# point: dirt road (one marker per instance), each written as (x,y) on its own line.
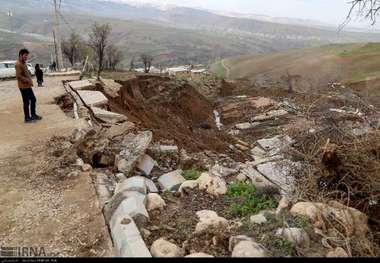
(60,216)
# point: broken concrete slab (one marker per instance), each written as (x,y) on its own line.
(152,188)
(93,98)
(280,174)
(111,88)
(136,183)
(108,116)
(146,164)
(171,181)
(270,115)
(127,239)
(119,129)
(135,147)
(133,206)
(275,144)
(168,148)
(81,84)
(104,193)
(246,125)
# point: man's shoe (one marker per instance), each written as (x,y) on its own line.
(36,118)
(29,120)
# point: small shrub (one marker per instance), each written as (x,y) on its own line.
(286,246)
(192,174)
(248,202)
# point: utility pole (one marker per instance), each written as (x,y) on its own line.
(57,37)
(10,15)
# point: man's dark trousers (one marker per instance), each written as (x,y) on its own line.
(29,100)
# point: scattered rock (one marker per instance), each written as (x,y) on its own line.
(248,249)
(199,255)
(241,177)
(282,205)
(120,177)
(79,162)
(191,184)
(136,183)
(258,219)
(154,201)
(119,129)
(222,171)
(214,185)
(171,181)
(337,253)
(209,220)
(164,249)
(234,240)
(297,236)
(168,149)
(270,115)
(86,167)
(73,174)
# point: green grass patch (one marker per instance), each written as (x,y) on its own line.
(247,201)
(219,70)
(286,247)
(192,174)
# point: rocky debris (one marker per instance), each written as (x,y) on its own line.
(209,220)
(111,88)
(258,219)
(164,249)
(213,185)
(248,249)
(199,255)
(234,240)
(222,171)
(134,147)
(86,167)
(102,186)
(133,206)
(337,253)
(119,129)
(93,98)
(81,84)
(154,202)
(171,181)
(258,153)
(108,116)
(282,205)
(246,126)
(168,148)
(355,222)
(152,188)
(297,236)
(270,115)
(188,185)
(73,174)
(276,144)
(280,175)
(146,164)
(120,177)
(218,123)
(127,239)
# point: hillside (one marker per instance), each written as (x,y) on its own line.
(175,35)
(347,63)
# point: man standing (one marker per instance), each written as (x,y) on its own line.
(25,84)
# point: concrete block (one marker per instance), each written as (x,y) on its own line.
(146,164)
(171,181)
(93,98)
(136,183)
(81,84)
(127,238)
(108,116)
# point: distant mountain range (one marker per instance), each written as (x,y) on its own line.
(176,34)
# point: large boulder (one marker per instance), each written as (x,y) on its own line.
(188,185)
(164,249)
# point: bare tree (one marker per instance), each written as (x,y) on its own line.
(132,65)
(98,42)
(71,48)
(147,61)
(114,56)
(369,9)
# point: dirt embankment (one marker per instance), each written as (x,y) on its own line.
(173,110)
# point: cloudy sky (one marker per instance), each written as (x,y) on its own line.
(328,11)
